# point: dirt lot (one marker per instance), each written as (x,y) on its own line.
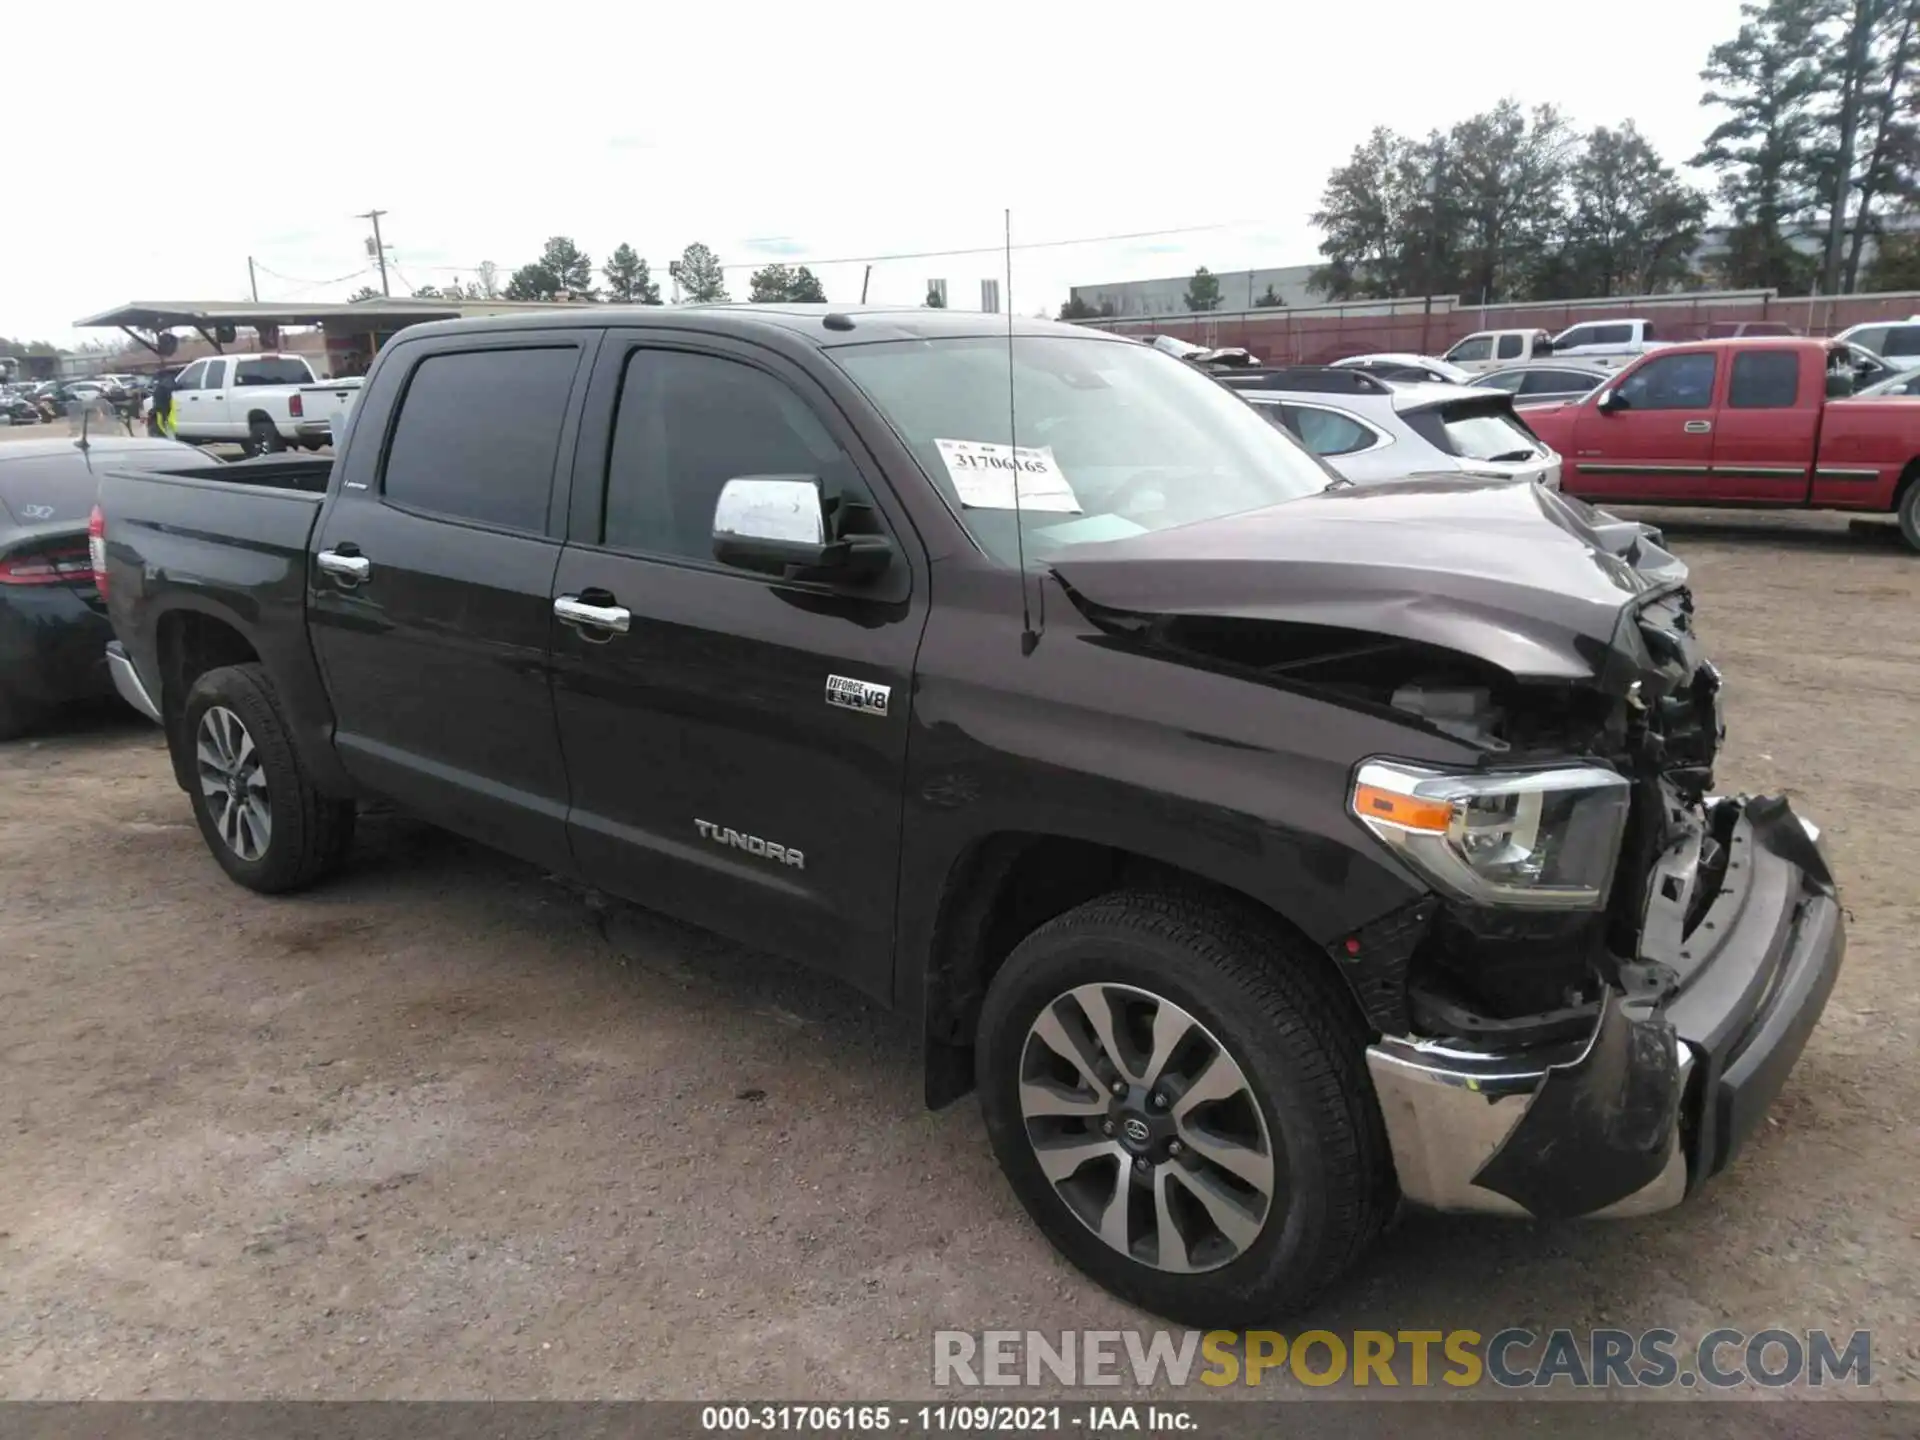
(449,1128)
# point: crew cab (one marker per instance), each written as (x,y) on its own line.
(1267,850)
(255,401)
(1751,422)
(1486,350)
(1607,343)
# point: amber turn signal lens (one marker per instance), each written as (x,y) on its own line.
(1411,812)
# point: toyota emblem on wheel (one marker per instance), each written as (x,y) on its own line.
(1137,1131)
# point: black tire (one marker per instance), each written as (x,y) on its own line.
(1909,514)
(263,438)
(310,833)
(1294,1033)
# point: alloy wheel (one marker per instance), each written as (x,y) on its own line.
(1147,1128)
(234,783)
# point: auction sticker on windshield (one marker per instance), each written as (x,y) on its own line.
(985,474)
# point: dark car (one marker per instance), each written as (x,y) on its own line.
(1266,850)
(18,408)
(53,624)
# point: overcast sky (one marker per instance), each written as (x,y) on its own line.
(169,142)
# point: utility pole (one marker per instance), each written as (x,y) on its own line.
(378,247)
(252,283)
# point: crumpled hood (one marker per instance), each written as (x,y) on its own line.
(1532,582)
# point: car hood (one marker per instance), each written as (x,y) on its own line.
(1532,582)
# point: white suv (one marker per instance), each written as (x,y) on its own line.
(1373,433)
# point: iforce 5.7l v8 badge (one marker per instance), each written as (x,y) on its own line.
(849,694)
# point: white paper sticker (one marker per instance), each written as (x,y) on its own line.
(983,474)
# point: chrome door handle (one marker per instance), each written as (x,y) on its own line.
(344,567)
(1698,427)
(572,610)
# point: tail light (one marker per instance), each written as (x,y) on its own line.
(97,548)
(294,407)
(60,565)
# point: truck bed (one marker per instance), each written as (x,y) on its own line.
(275,472)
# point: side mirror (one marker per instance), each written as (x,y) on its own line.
(1611,401)
(781,525)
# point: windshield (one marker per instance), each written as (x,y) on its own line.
(1115,439)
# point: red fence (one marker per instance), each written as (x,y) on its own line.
(1323,333)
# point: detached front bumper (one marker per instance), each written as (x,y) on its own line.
(1681,1064)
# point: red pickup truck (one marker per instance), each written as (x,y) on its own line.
(1755,422)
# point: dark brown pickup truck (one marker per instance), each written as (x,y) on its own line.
(1267,850)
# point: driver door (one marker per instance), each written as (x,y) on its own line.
(720,768)
(1658,443)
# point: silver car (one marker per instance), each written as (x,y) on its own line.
(1373,433)
(1539,382)
(1907,382)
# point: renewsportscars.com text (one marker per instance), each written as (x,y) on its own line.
(1512,1358)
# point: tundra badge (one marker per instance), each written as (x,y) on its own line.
(752,844)
(859,695)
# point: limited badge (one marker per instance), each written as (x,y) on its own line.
(859,695)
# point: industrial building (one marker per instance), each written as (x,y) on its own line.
(1239,290)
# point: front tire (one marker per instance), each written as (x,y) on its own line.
(260,816)
(1179,1096)
(1909,514)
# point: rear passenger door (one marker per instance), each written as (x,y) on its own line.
(1767,425)
(715,775)
(430,593)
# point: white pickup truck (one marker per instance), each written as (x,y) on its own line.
(1606,343)
(264,403)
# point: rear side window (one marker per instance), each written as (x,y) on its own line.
(271,370)
(1327,432)
(1511,381)
(1483,431)
(1903,340)
(1474,347)
(1671,382)
(1510,347)
(1612,335)
(1874,339)
(477,435)
(1764,380)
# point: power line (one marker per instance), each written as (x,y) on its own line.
(942,254)
(296,280)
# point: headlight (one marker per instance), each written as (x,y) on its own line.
(1544,839)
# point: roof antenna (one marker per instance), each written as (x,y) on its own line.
(1029,637)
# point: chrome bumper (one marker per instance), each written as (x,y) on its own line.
(126,680)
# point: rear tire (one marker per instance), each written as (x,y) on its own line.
(1909,514)
(263,439)
(1306,1162)
(263,820)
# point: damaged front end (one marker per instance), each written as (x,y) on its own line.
(1606,1062)
(1613,970)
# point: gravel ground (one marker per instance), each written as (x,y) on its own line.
(448,1128)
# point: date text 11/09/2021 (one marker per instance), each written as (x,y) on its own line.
(958,1417)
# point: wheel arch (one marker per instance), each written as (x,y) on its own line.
(1007,884)
(188,642)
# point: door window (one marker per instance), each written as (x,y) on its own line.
(216,375)
(1328,432)
(1474,347)
(1511,381)
(1764,380)
(1555,382)
(689,423)
(1612,335)
(1671,382)
(1510,347)
(190,377)
(477,435)
(1902,340)
(1579,335)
